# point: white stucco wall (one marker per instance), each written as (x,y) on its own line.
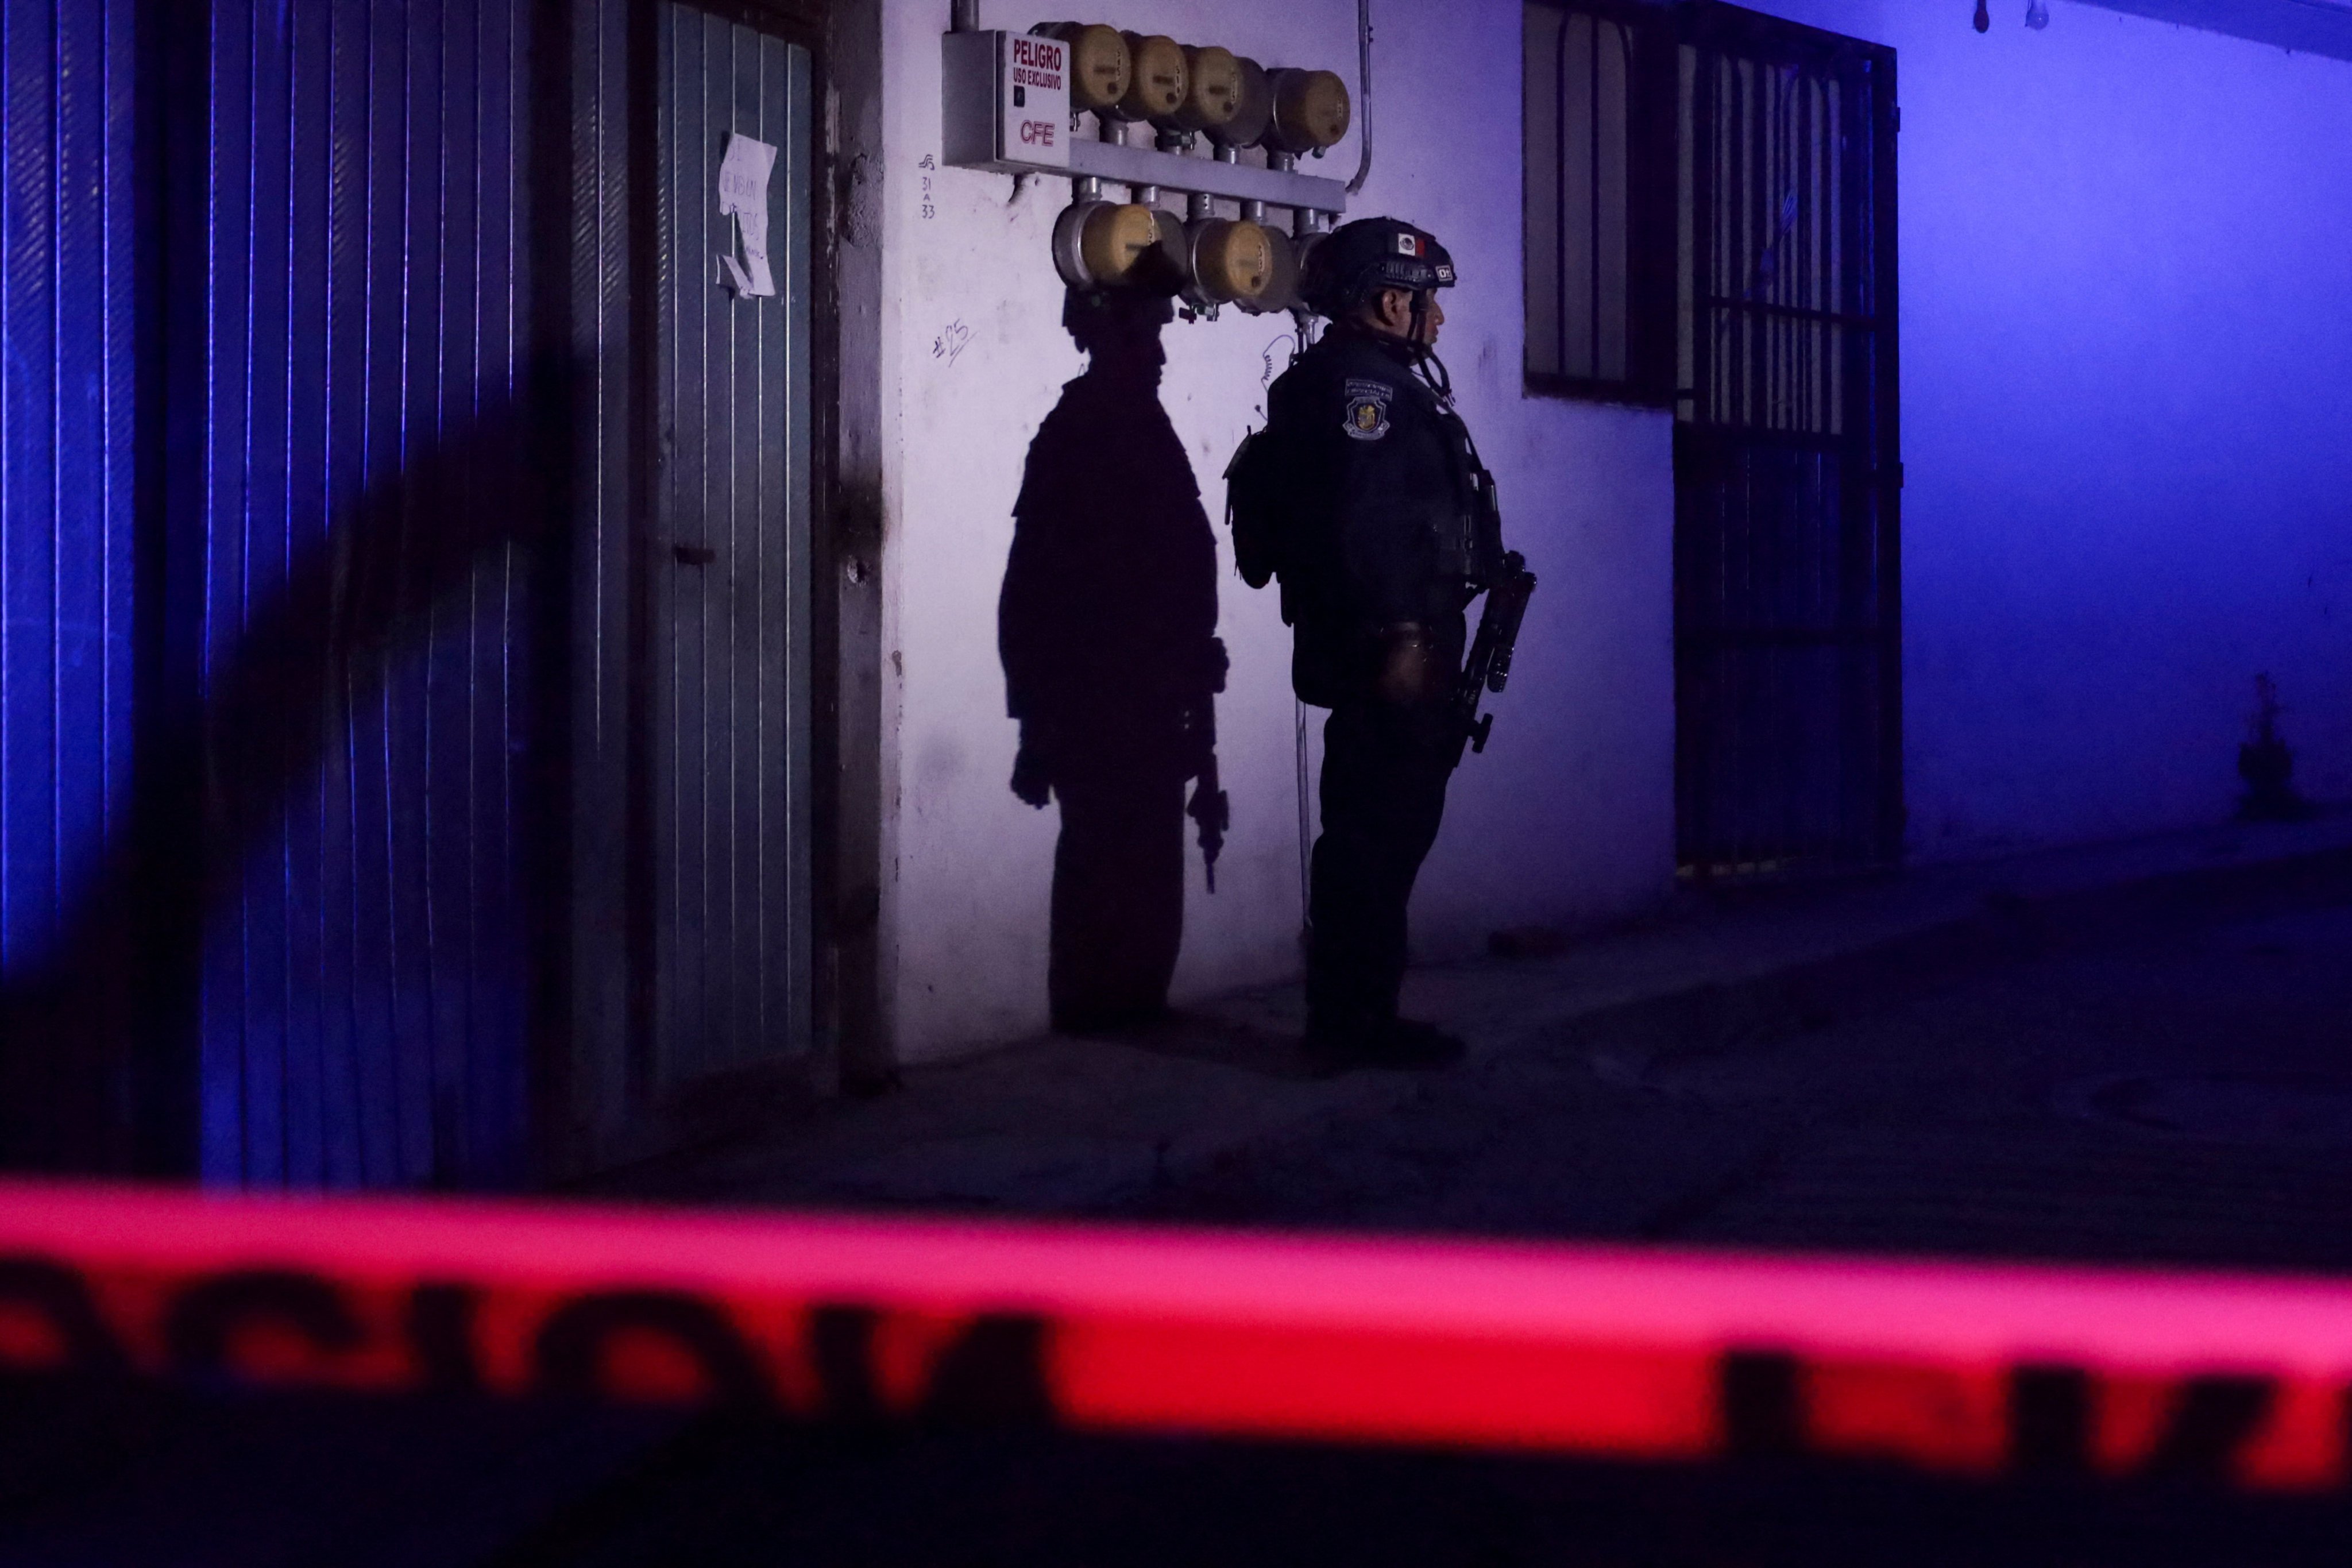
(2126,259)
(1568,815)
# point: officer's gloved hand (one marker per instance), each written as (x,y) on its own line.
(1032,780)
(1412,667)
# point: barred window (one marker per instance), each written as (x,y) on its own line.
(1600,92)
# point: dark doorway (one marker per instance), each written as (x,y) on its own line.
(1787,632)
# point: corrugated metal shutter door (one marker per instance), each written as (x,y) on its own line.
(364,217)
(730,588)
(66,471)
(364,304)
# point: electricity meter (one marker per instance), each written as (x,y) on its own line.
(1302,253)
(1281,290)
(1099,68)
(1310,110)
(1099,243)
(1171,267)
(1213,89)
(1253,106)
(1231,259)
(1155,87)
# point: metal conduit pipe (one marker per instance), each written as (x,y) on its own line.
(963,17)
(1363,96)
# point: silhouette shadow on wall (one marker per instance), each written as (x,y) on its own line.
(99,1047)
(1106,626)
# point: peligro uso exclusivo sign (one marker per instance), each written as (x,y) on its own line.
(1007,101)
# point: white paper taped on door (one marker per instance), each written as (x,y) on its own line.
(743,196)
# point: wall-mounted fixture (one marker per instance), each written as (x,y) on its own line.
(1012,103)
(1227,261)
(1212,93)
(1156,89)
(1099,64)
(1311,110)
(1008,102)
(1098,244)
(1253,106)
(2037,15)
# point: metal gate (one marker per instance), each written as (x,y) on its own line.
(725,760)
(1787,607)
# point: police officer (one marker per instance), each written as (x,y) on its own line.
(1365,496)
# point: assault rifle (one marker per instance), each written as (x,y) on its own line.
(1211,811)
(1488,667)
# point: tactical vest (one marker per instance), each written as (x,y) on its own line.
(1263,505)
(1473,553)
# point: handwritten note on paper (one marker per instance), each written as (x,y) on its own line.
(743,196)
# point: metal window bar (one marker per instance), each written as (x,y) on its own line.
(1595,314)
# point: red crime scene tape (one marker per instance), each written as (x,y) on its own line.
(1639,1355)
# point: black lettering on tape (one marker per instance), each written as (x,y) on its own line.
(441,1336)
(991,1373)
(2049,1419)
(204,1320)
(1763,1404)
(841,1343)
(573,1342)
(2344,1437)
(57,1293)
(2213,1419)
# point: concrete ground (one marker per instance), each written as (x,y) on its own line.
(2133,1051)
(2130,1052)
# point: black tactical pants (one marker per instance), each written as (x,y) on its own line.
(1385,768)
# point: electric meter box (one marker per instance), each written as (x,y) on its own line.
(1007,101)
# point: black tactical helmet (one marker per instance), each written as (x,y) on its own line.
(1358,260)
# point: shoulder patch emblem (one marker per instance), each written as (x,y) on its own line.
(1367,418)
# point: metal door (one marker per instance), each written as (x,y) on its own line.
(1787,607)
(727,579)
(347,586)
(68,208)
